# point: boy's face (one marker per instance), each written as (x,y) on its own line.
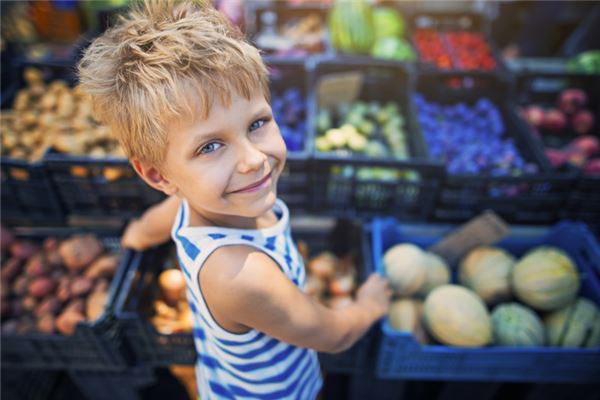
(227,165)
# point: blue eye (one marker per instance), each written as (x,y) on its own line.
(257,124)
(210,147)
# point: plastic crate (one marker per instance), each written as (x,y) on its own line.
(401,357)
(24,185)
(112,385)
(526,199)
(96,345)
(356,185)
(294,181)
(153,348)
(455,21)
(543,88)
(100,187)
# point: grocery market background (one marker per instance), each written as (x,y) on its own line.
(404,120)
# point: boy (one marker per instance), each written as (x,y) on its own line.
(189,101)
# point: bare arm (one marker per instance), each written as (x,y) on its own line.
(153,227)
(266,300)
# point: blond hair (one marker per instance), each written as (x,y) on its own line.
(166,60)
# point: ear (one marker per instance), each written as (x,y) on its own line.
(154,177)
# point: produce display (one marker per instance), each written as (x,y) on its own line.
(331,280)
(172,313)
(51,285)
(458,50)
(53,115)
(568,130)
(297,36)
(470,139)
(372,129)
(289,110)
(483,309)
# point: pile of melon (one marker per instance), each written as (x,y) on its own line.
(498,299)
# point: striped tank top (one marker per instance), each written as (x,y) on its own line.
(251,365)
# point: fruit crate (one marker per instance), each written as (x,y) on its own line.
(99,187)
(434,23)
(543,88)
(150,347)
(350,184)
(112,385)
(289,95)
(95,345)
(400,356)
(28,195)
(531,197)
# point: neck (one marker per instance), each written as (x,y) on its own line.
(232,221)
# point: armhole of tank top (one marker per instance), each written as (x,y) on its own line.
(197,267)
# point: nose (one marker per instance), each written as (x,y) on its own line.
(251,158)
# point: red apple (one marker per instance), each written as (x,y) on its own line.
(571,100)
(554,120)
(583,122)
(557,158)
(587,145)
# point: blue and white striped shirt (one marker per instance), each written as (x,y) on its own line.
(251,365)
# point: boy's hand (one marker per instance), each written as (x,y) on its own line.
(375,294)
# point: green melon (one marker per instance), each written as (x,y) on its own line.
(545,279)
(517,325)
(576,325)
(456,316)
(486,270)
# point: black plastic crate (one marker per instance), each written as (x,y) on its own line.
(529,198)
(95,345)
(351,185)
(133,306)
(286,76)
(28,194)
(107,187)
(446,21)
(543,88)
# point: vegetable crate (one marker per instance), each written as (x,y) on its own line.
(518,187)
(28,194)
(543,89)
(150,347)
(289,91)
(401,357)
(99,187)
(454,41)
(94,345)
(386,171)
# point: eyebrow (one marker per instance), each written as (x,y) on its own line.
(205,136)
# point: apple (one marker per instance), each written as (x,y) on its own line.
(534,115)
(557,158)
(592,167)
(583,121)
(587,145)
(554,120)
(570,100)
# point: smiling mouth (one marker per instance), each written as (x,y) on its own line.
(255,185)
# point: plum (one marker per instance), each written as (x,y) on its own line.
(587,145)
(534,115)
(557,158)
(554,120)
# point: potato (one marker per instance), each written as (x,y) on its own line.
(10,269)
(163,310)
(80,286)
(33,76)
(63,292)
(95,303)
(76,306)
(21,101)
(65,105)
(50,244)
(67,322)
(103,267)
(28,303)
(25,325)
(46,324)
(21,285)
(172,285)
(50,305)
(41,287)
(79,251)
(36,267)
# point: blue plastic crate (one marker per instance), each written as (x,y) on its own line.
(401,357)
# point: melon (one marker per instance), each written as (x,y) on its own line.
(576,325)
(545,279)
(405,268)
(456,316)
(437,273)
(405,315)
(486,271)
(514,324)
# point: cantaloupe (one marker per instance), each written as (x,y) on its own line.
(437,273)
(486,270)
(545,279)
(405,315)
(517,325)
(405,268)
(456,316)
